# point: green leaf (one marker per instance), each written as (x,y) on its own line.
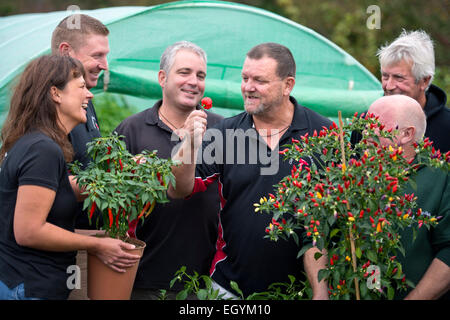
(303,250)
(390,293)
(172,282)
(323,274)
(182,295)
(202,294)
(363,289)
(235,287)
(317,255)
(295,237)
(371,255)
(358,252)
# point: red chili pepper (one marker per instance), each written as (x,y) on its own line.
(158,175)
(93,207)
(111,217)
(361,214)
(121,165)
(143,210)
(206,103)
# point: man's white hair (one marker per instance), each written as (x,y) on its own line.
(415,47)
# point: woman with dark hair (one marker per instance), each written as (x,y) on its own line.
(38,200)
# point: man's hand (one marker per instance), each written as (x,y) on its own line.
(193,130)
(312,267)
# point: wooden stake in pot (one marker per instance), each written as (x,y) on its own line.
(352,239)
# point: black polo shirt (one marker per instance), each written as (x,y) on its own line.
(243,254)
(178,233)
(36,160)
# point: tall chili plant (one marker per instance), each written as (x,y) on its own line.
(123,187)
(347,200)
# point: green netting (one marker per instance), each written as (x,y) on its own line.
(327,77)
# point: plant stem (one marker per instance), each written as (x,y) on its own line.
(352,240)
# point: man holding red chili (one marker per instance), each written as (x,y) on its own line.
(272,117)
(179,233)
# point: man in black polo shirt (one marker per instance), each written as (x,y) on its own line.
(247,165)
(86,39)
(179,233)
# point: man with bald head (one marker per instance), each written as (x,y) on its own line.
(404,114)
(427,259)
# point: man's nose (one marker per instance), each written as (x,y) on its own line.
(390,83)
(248,85)
(103,63)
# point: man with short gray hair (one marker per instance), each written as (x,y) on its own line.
(407,67)
(181,232)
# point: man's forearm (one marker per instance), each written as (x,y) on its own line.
(184,173)
(434,283)
(194,128)
(312,267)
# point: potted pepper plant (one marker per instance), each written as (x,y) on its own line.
(124,188)
(347,200)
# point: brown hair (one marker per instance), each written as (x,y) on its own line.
(281,54)
(74,34)
(32,107)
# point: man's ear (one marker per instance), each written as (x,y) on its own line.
(289,85)
(425,82)
(407,135)
(65,48)
(54,92)
(162,77)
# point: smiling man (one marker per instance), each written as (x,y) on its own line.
(407,67)
(243,253)
(87,42)
(181,232)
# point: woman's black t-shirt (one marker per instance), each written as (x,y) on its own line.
(35,159)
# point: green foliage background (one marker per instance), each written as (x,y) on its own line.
(111,110)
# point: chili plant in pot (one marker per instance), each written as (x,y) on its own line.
(348,200)
(124,188)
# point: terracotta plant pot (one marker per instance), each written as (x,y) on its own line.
(106,284)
